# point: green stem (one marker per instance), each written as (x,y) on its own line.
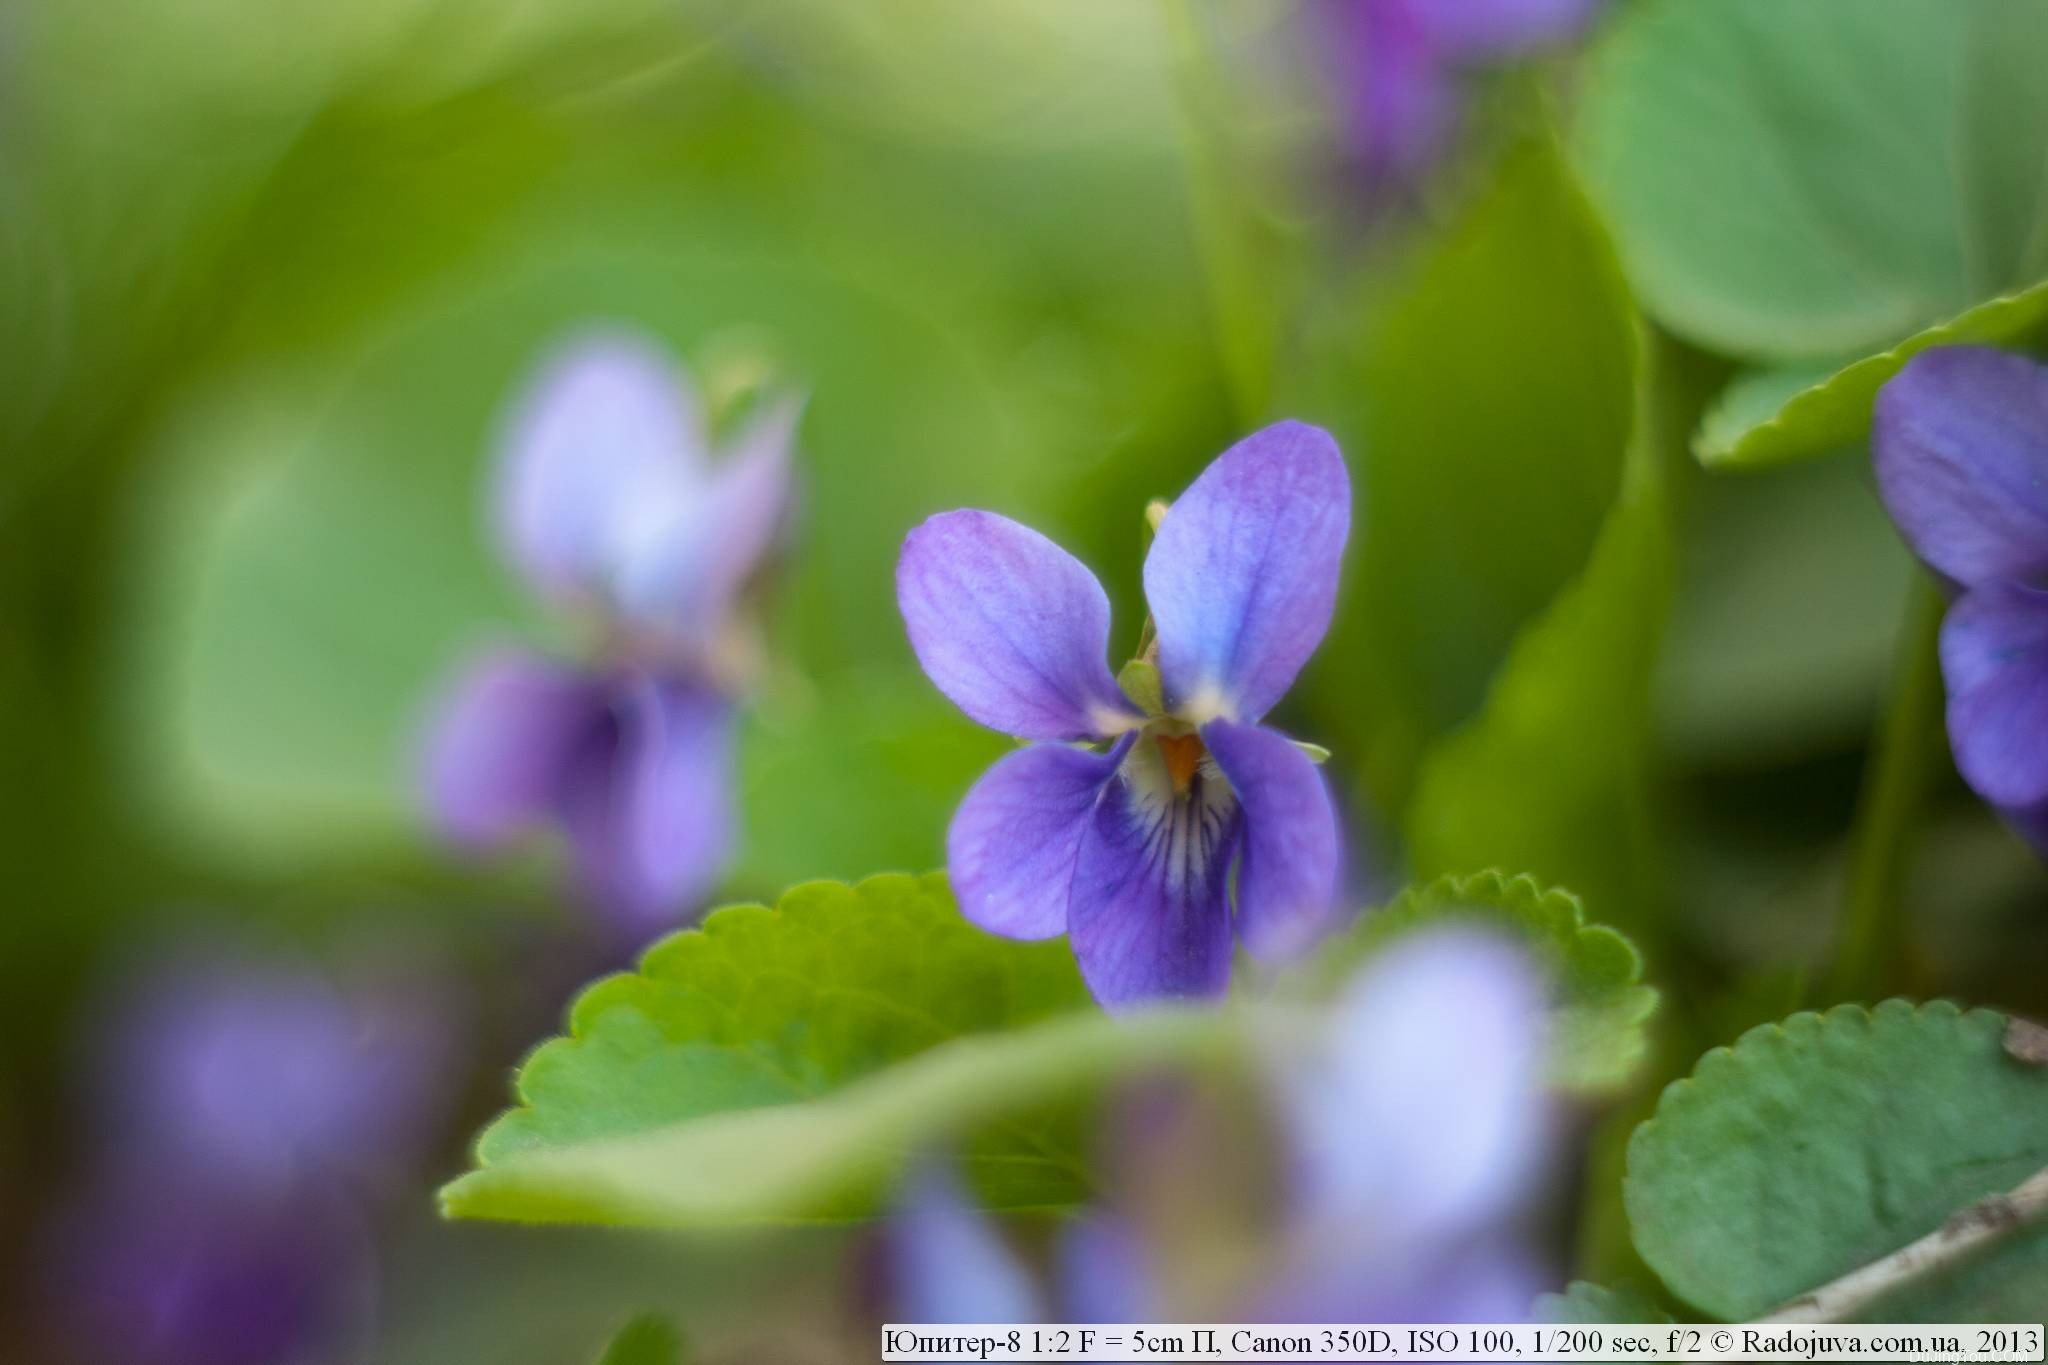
(1240,315)
(1870,948)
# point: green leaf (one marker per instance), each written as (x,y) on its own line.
(1481,387)
(647,1340)
(1824,1143)
(1795,182)
(1770,416)
(1552,775)
(1591,1304)
(760,1013)
(1826,193)
(1598,1030)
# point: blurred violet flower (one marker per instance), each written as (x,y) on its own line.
(1417,1129)
(610,502)
(1399,69)
(263,1075)
(247,1109)
(1960,442)
(1129,847)
(150,1273)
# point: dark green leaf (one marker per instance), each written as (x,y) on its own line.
(1819,1145)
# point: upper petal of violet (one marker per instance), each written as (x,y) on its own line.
(1243,575)
(1994,658)
(1960,443)
(1287,871)
(1010,850)
(605,442)
(1011,627)
(683,570)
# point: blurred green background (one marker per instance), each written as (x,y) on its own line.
(270,274)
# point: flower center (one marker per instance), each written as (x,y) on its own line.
(1183,754)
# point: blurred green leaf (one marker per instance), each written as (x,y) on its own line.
(1553,774)
(1792,584)
(1800,181)
(647,1340)
(1824,192)
(722,1081)
(1485,401)
(1821,1144)
(1770,416)
(1598,1032)
(1590,1304)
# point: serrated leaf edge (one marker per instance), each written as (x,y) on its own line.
(1789,1030)
(582,1012)
(1965,327)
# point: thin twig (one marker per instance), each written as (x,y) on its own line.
(1961,1237)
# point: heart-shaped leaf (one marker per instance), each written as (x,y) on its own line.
(1821,1144)
(1824,191)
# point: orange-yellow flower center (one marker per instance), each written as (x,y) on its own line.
(1183,753)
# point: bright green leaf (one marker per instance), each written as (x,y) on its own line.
(1598,1030)
(1818,1145)
(647,1340)
(1584,1304)
(1770,416)
(761,1011)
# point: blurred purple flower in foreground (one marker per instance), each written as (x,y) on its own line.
(1960,440)
(1399,67)
(247,1108)
(609,501)
(1417,1130)
(1129,849)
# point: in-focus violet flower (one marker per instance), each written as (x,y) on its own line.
(1417,1130)
(1398,69)
(1960,441)
(1133,847)
(611,501)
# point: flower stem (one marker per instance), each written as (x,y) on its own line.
(1241,319)
(1871,941)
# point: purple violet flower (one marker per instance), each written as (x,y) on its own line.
(609,501)
(1960,443)
(1129,846)
(1391,1217)
(1399,68)
(247,1109)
